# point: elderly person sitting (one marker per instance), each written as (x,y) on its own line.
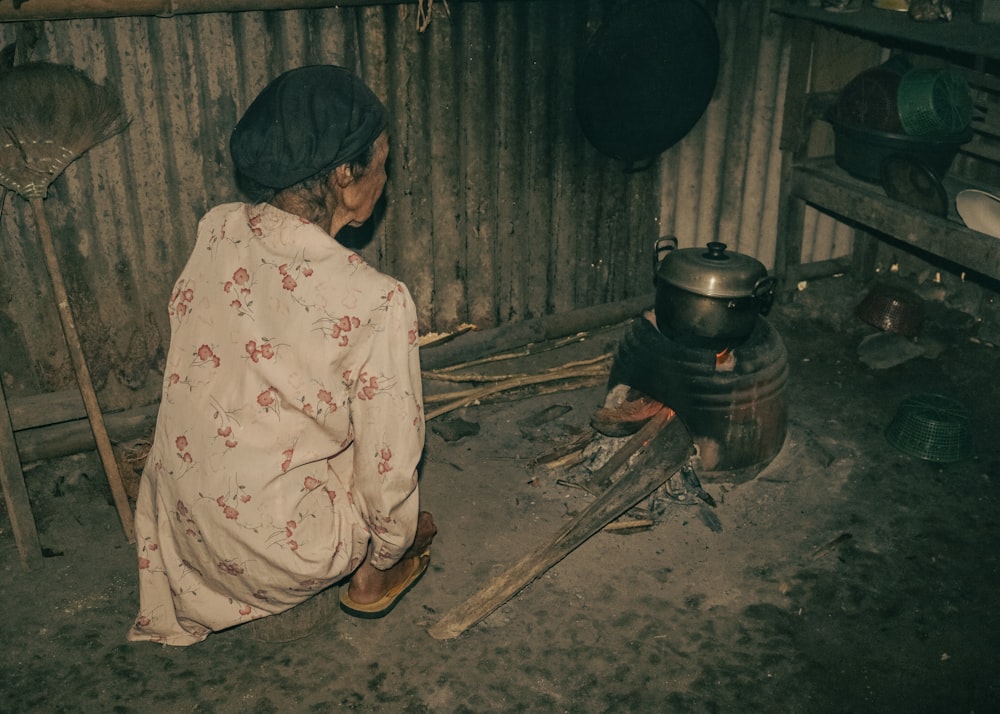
(291,422)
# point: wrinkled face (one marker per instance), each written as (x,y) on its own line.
(360,196)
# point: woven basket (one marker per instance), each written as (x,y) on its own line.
(932,427)
(934,102)
(892,309)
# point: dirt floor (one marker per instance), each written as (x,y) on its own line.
(846,577)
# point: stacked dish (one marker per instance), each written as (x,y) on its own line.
(980,211)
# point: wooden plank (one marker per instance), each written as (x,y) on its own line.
(74,437)
(43,409)
(864,255)
(788,257)
(794,128)
(818,269)
(479,344)
(833,191)
(604,476)
(70,9)
(798,116)
(961,34)
(982,147)
(663,457)
(15,493)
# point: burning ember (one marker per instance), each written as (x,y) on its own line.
(725,361)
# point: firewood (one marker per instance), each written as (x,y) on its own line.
(662,457)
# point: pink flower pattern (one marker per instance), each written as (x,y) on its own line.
(204,356)
(181,300)
(239,292)
(268,441)
(385,458)
(340,327)
(264,350)
(230,512)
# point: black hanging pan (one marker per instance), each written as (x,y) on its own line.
(647,77)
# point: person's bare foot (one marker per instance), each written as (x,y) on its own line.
(426,530)
(369,584)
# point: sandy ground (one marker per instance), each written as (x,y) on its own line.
(847,577)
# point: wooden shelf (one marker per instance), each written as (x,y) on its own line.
(816,181)
(961,35)
(821,183)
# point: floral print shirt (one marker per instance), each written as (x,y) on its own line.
(289,430)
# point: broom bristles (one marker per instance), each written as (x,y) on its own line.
(50,114)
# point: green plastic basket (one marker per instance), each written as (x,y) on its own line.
(932,427)
(933,102)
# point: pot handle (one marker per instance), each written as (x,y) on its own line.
(763,293)
(661,248)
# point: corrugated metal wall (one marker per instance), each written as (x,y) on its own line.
(497,210)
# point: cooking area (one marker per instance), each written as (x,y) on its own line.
(708,415)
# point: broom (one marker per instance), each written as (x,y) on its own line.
(50,114)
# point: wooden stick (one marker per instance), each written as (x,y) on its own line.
(538,390)
(15,493)
(628,525)
(427,341)
(525,380)
(484,342)
(104,447)
(532,348)
(565,462)
(664,456)
(601,479)
(69,9)
(465,397)
(448,374)
(577,444)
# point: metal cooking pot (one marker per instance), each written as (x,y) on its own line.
(710,296)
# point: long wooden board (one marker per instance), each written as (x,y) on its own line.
(658,461)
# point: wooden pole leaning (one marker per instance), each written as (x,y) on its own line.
(94,415)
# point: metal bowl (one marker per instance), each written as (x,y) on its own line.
(892,309)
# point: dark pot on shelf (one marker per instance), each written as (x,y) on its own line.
(709,296)
(861,151)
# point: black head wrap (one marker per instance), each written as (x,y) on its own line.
(307,120)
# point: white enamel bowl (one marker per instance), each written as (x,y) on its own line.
(979,210)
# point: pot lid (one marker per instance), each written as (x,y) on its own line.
(712,271)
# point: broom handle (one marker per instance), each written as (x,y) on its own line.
(83,375)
